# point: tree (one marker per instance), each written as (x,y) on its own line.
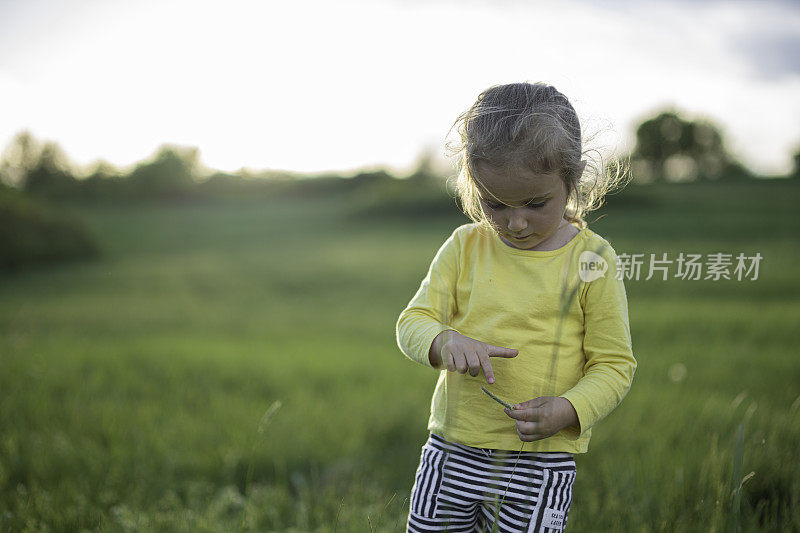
(669,148)
(425,167)
(19,158)
(50,175)
(170,173)
(36,168)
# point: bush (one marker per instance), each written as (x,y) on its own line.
(32,232)
(404,199)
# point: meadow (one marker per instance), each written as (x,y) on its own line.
(138,391)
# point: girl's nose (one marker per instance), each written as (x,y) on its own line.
(517,221)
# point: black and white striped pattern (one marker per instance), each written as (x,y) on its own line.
(459,488)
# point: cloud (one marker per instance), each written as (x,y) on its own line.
(772,55)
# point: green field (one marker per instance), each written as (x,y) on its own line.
(132,388)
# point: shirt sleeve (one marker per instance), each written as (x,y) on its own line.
(610,365)
(432,308)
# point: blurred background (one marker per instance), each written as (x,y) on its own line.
(211,215)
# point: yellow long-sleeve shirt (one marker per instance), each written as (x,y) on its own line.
(486,290)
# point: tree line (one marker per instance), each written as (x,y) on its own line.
(668,148)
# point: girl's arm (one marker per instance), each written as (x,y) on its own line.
(610,364)
(432,307)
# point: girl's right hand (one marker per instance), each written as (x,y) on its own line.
(461,353)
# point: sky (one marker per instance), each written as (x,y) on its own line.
(315,86)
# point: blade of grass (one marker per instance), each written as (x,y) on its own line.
(263,423)
(497,398)
(736,479)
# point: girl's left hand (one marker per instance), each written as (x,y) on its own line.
(542,417)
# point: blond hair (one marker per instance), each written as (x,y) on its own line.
(530,126)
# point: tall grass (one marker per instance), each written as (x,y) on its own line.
(132,388)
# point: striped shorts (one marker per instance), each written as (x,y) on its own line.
(459,488)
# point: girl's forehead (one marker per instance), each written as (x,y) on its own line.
(517,185)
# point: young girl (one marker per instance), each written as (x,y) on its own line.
(525,304)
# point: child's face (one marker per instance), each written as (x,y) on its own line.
(525,208)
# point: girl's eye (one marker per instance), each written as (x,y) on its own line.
(495,205)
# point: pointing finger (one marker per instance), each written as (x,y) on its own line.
(499,351)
